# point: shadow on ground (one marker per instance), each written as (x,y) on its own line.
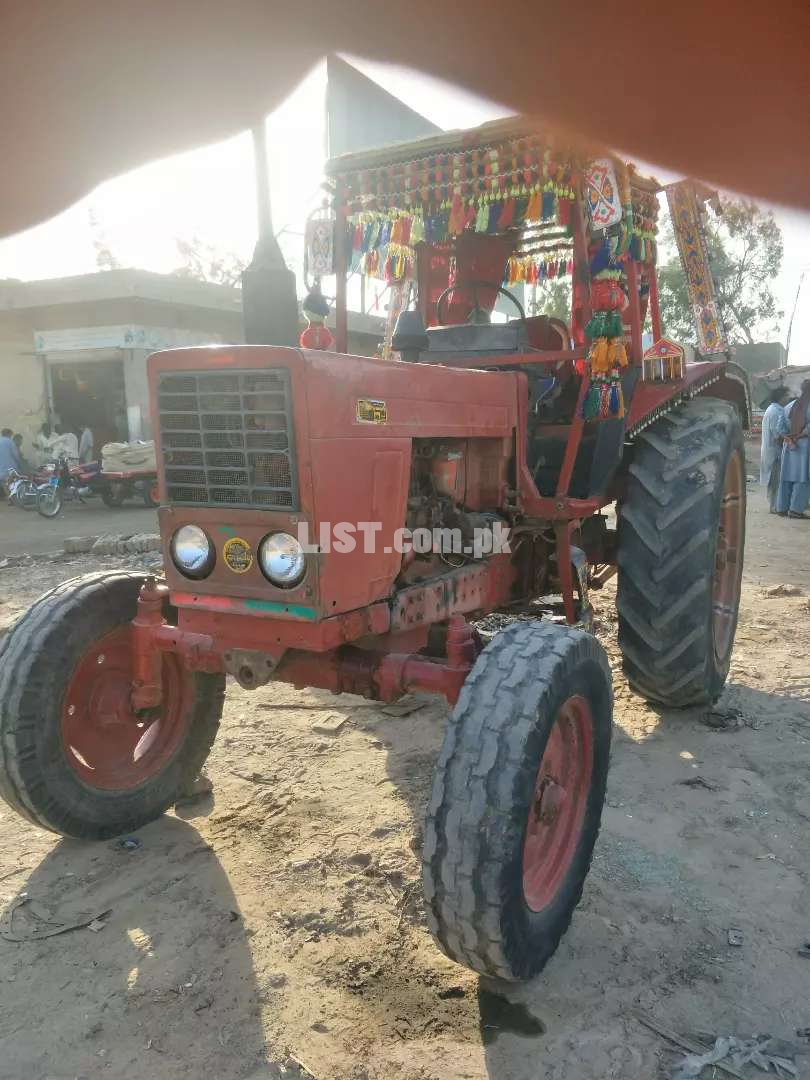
(163,1013)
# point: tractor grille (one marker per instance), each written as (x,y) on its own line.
(227,438)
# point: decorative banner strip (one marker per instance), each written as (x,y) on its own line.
(685,213)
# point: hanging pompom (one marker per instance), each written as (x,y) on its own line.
(600,260)
(456,219)
(616,325)
(598,356)
(548,204)
(580,366)
(596,325)
(564,212)
(535,208)
(590,406)
(506,215)
(616,399)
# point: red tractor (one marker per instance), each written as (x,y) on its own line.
(487,426)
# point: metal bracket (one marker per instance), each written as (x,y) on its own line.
(251,669)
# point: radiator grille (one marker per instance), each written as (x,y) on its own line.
(227,438)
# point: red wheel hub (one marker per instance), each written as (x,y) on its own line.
(105,742)
(559,801)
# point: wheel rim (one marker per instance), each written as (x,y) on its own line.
(728,560)
(50,504)
(105,742)
(559,801)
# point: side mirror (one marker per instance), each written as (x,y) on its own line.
(410,338)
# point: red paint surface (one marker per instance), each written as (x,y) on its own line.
(105,742)
(650,396)
(559,801)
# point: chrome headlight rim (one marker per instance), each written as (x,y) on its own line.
(280,581)
(194,573)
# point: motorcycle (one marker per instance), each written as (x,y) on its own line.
(64,484)
(23,492)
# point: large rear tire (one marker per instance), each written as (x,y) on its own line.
(74,757)
(681,542)
(517,799)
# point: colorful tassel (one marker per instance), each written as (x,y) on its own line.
(616,399)
(506,215)
(548,205)
(590,406)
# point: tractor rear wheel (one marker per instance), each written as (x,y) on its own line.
(517,799)
(681,541)
(74,757)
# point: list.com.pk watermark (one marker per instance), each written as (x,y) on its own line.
(346,536)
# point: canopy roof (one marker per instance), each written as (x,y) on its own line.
(501,158)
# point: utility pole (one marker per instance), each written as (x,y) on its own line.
(269,297)
(793,316)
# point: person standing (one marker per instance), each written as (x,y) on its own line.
(794,484)
(86,445)
(25,467)
(774,428)
(9,458)
(66,443)
(43,445)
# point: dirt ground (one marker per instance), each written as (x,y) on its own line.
(275,928)
(30,532)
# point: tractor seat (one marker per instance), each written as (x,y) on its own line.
(546,334)
(471,339)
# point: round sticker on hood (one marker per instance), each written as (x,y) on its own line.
(238,554)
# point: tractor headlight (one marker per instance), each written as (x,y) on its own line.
(282,560)
(192,552)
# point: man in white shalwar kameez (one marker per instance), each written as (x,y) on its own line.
(774,428)
(794,479)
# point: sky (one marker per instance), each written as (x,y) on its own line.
(209,193)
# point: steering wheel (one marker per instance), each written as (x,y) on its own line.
(477,315)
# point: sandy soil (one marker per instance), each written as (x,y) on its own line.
(275,928)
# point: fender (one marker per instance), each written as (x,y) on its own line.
(734,386)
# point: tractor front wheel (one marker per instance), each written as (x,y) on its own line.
(517,799)
(74,756)
(681,541)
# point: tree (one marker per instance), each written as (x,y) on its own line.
(105,259)
(206,262)
(745,253)
(553,298)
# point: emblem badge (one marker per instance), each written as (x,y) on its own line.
(238,554)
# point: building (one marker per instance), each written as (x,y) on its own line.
(762,357)
(792,377)
(73,350)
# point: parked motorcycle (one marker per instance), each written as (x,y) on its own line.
(23,492)
(64,484)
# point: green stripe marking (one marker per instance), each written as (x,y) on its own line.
(276,608)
